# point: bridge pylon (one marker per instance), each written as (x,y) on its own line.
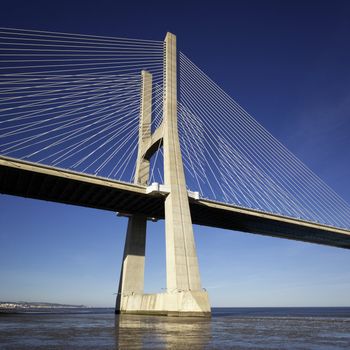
(184,295)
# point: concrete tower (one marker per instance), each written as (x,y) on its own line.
(184,296)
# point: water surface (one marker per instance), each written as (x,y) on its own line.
(229,328)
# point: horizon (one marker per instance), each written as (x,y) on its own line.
(213,307)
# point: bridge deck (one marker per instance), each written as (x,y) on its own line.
(31,180)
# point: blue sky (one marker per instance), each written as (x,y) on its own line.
(286,62)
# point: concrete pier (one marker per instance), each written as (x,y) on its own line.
(184,296)
(133,266)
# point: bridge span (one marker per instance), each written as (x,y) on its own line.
(27,179)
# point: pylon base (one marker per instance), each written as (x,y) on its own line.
(180,303)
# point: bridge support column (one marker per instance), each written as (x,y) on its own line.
(133,267)
(184,296)
(181,258)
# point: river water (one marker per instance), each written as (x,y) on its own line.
(228,328)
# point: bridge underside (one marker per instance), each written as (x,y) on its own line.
(40,182)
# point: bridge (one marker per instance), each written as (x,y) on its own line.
(134,126)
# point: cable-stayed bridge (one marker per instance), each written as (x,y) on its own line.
(135,126)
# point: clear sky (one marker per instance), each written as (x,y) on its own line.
(285,62)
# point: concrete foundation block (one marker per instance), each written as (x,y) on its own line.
(180,303)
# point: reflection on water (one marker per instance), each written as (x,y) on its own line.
(292,329)
(152,332)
